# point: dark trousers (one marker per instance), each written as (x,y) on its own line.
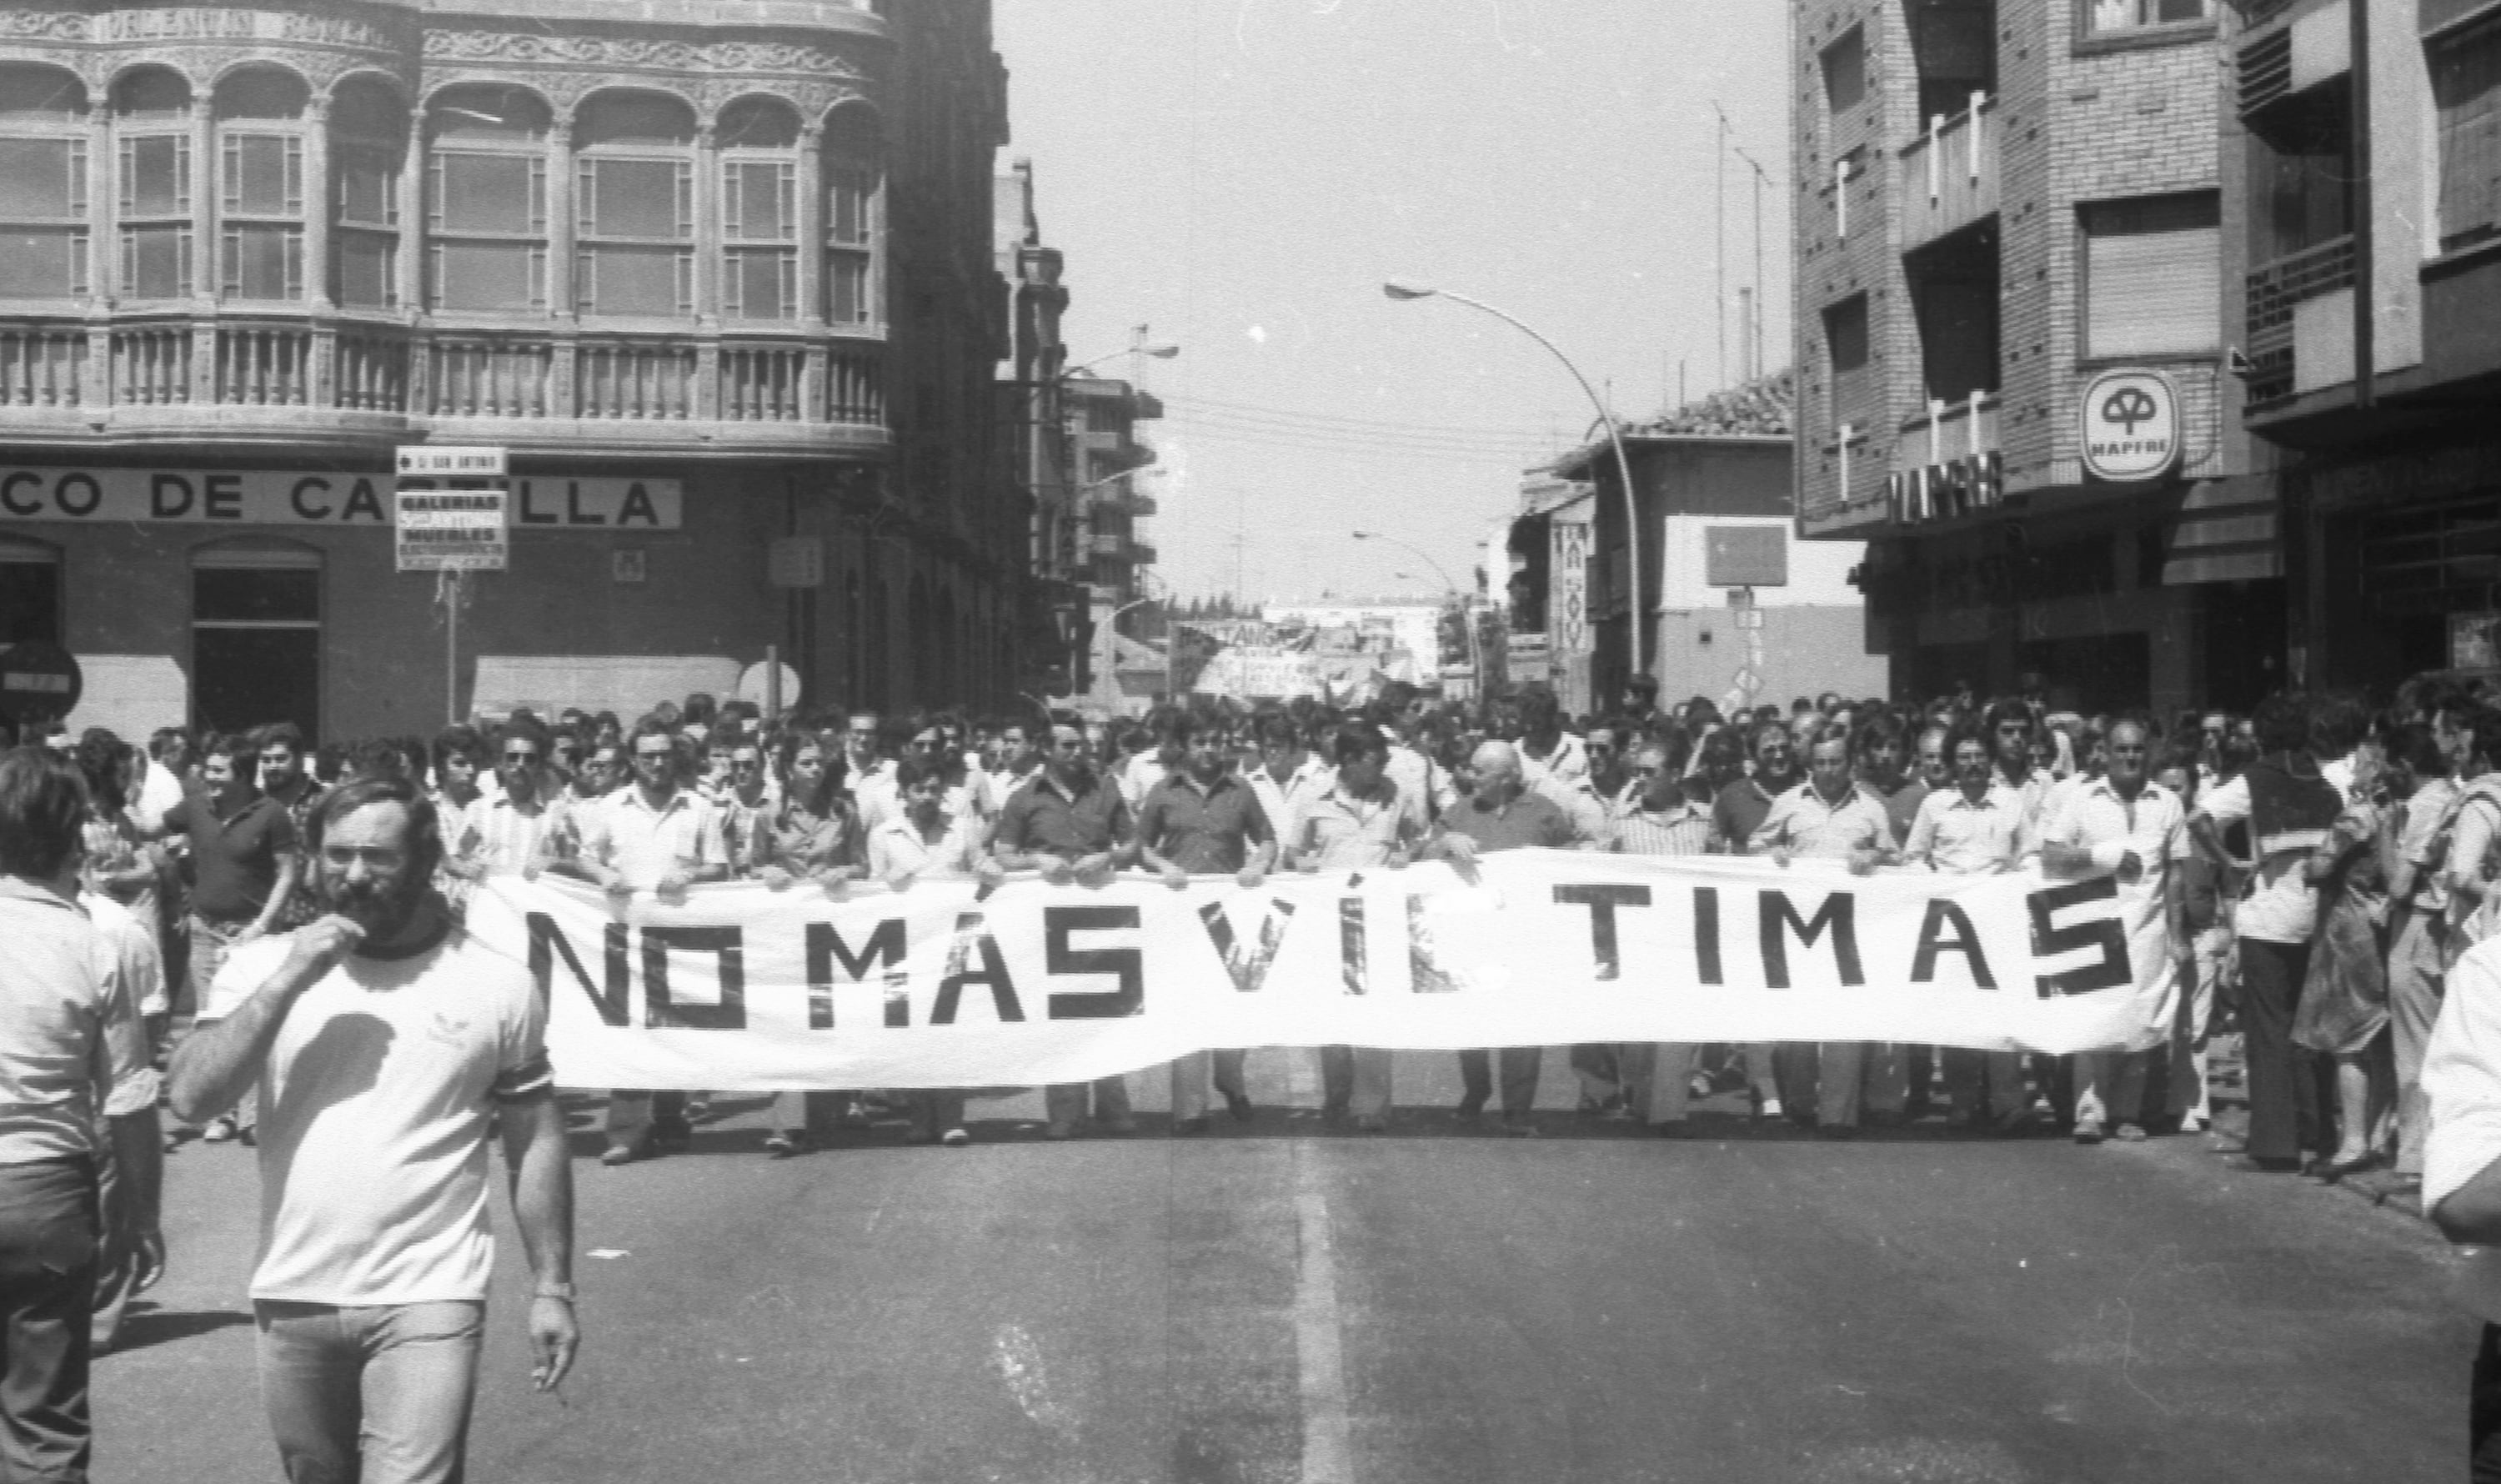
(1519,1067)
(48,1243)
(636,1119)
(2483,1411)
(2285,1107)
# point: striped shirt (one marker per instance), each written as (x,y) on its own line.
(508,840)
(1682,828)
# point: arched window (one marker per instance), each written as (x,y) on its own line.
(369,144)
(260,184)
(759,210)
(486,200)
(151,118)
(634,206)
(854,210)
(43,183)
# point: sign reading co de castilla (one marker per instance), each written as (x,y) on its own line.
(295,498)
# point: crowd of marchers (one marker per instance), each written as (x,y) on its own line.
(2312,869)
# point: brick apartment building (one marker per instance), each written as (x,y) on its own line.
(719,277)
(2010,333)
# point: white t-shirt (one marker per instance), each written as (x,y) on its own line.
(374,1108)
(136,960)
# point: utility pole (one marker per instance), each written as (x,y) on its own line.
(1762,294)
(1720,233)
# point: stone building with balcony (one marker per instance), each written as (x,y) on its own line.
(719,278)
(2007,234)
(1101,543)
(2364,147)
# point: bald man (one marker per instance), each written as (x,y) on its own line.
(1503,813)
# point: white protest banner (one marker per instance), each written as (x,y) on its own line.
(742,989)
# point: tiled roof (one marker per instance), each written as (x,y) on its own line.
(1762,408)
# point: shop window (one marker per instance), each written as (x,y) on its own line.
(2466,89)
(854,196)
(152,168)
(256,635)
(634,206)
(30,592)
(759,211)
(2153,283)
(43,183)
(486,200)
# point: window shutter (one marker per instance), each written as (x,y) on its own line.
(787,178)
(77,264)
(790,285)
(183,261)
(77,178)
(686,198)
(538,195)
(586,280)
(434,194)
(127,183)
(586,199)
(230,198)
(2153,293)
(294,177)
(295,265)
(731,216)
(126,271)
(733,286)
(230,277)
(183,177)
(686,282)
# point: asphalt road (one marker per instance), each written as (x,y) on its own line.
(1280,1302)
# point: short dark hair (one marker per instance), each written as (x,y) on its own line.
(522,728)
(424,840)
(1357,739)
(43,809)
(278,732)
(907,773)
(2414,746)
(2281,722)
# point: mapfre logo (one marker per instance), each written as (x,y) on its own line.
(2130,426)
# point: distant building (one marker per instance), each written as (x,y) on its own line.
(719,277)
(1035,444)
(2009,291)
(1712,481)
(1096,538)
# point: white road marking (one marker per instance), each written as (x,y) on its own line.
(1328,1457)
(1302,1077)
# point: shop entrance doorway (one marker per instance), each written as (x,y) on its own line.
(256,636)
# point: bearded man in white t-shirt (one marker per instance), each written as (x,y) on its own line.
(385,1043)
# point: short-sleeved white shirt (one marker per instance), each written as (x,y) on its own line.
(374,1114)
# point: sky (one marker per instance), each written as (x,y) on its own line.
(1241,175)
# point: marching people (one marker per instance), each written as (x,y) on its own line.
(657,835)
(1070,825)
(2123,825)
(929,838)
(78,1151)
(1205,820)
(387,1048)
(1355,822)
(1976,828)
(1654,817)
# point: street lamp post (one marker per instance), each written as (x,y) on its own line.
(1401,290)
(1467,615)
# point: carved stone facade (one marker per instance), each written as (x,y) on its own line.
(769,337)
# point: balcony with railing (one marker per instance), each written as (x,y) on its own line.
(2298,311)
(1949,432)
(1948,178)
(171,378)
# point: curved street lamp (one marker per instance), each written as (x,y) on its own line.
(1403,290)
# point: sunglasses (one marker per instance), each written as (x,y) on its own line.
(520,754)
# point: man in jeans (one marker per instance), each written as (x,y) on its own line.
(72,1056)
(385,1045)
(243,867)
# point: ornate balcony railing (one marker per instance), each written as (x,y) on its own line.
(41,366)
(272,377)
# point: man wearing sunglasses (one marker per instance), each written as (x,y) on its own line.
(1070,825)
(518,831)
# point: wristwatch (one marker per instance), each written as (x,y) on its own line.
(562,1291)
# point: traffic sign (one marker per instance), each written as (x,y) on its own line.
(39,680)
(452,530)
(448,460)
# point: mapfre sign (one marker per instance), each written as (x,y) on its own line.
(2131,426)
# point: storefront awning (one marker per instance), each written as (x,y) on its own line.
(2227,532)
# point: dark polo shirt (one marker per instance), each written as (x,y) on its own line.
(1531,819)
(1040,820)
(234,859)
(1741,809)
(1205,834)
